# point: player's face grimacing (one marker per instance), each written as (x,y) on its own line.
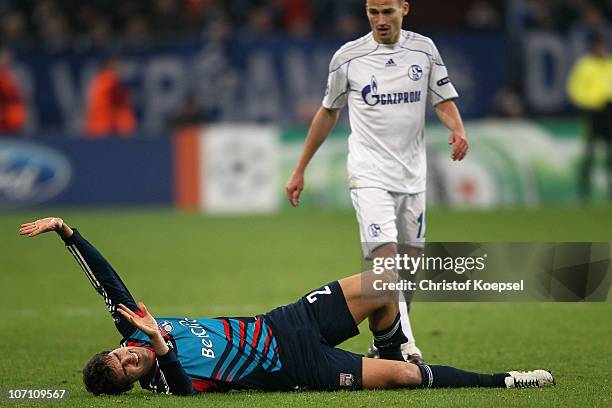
(130,363)
(386,18)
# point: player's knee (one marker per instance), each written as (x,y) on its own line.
(408,376)
(404,375)
(379,288)
(387,277)
(388,250)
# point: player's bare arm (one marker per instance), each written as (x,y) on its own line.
(321,126)
(449,115)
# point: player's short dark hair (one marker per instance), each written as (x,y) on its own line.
(99,377)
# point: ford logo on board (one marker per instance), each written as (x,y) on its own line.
(30,173)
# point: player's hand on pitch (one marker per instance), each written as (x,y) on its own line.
(143,321)
(459,147)
(34,228)
(295,185)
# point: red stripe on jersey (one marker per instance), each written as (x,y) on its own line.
(226,326)
(203,385)
(268,340)
(242,333)
(256,332)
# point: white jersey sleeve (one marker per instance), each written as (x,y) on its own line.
(336,93)
(440,87)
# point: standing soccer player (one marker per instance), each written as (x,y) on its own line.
(386,77)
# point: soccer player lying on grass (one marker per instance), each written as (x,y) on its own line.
(292,347)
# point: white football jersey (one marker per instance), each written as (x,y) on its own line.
(387,88)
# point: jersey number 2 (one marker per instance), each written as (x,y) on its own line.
(312,297)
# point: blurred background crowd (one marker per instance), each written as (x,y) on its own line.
(534,78)
(70,23)
(108,30)
(58,24)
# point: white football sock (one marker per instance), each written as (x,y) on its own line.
(406,328)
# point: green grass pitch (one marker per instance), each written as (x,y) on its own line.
(53,321)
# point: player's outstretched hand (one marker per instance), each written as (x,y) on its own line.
(34,228)
(294,188)
(460,146)
(143,321)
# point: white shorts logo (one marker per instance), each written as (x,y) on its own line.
(374,230)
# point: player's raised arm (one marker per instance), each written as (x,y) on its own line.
(322,124)
(449,115)
(97,269)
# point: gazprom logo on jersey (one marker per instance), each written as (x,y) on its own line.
(30,174)
(371,96)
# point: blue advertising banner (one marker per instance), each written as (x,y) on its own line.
(83,172)
(261,80)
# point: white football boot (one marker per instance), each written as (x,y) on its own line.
(412,353)
(529,379)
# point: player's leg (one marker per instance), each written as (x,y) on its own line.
(589,153)
(385,374)
(410,212)
(609,165)
(337,308)
(381,310)
(375,211)
(607,139)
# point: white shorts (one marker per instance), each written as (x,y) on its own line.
(386,217)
